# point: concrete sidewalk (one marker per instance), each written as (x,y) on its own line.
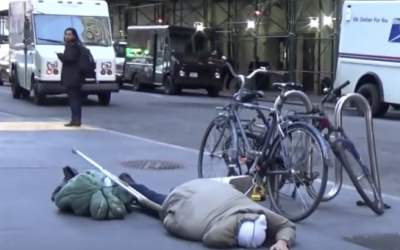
(33,153)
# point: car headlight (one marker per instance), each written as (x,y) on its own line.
(52,64)
(106,65)
(217,75)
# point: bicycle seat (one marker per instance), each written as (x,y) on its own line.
(288,85)
(250,95)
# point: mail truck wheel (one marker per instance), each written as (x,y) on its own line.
(38,98)
(16,90)
(395,106)
(104,98)
(170,87)
(371,92)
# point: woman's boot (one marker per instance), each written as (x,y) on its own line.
(75,122)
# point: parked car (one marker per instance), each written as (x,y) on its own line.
(4,63)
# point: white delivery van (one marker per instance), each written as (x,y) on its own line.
(369,52)
(36,33)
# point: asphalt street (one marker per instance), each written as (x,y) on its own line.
(150,126)
(182,120)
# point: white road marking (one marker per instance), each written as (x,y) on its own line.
(9,115)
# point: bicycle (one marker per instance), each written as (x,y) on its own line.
(262,158)
(341,144)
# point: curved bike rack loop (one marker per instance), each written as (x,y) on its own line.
(293,94)
(338,116)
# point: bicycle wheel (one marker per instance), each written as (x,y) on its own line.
(349,157)
(217,146)
(300,174)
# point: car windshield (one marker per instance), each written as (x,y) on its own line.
(203,44)
(120,50)
(182,43)
(92,30)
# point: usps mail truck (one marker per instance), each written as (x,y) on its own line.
(36,33)
(369,52)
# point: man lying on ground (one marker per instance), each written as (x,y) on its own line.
(212,212)
(218,215)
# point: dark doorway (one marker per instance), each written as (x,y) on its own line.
(308,61)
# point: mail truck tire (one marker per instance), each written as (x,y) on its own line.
(395,106)
(371,92)
(16,90)
(104,98)
(170,87)
(38,98)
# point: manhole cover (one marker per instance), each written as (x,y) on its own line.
(152,165)
(377,241)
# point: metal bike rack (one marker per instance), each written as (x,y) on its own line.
(338,116)
(140,198)
(293,94)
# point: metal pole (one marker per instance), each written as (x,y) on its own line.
(292,39)
(136,16)
(316,88)
(155,13)
(180,12)
(236,34)
(255,43)
(205,13)
(336,32)
(173,12)
(229,54)
(141,199)
(255,38)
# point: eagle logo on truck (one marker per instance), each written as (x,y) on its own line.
(394,36)
(94,30)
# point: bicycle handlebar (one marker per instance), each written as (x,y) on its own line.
(342,86)
(333,93)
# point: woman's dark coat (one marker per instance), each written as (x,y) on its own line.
(70,74)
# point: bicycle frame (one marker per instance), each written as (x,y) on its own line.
(233,116)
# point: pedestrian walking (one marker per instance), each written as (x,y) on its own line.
(71,77)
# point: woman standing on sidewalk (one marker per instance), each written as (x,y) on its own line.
(71,77)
